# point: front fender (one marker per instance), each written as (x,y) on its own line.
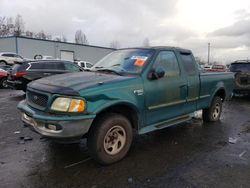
(117,102)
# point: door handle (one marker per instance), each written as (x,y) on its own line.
(183,85)
(46,74)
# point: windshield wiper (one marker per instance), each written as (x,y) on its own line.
(100,67)
(118,64)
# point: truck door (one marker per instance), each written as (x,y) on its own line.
(165,97)
(193,81)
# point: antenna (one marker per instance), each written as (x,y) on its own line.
(208,53)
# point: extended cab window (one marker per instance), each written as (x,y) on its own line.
(167,60)
(188,63)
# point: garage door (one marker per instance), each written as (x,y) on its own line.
(67,55)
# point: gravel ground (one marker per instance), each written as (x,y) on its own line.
(194,154)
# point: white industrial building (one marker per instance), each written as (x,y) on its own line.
(29,47)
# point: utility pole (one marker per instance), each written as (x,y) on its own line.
(208,54)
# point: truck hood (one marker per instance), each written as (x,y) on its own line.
(72,83)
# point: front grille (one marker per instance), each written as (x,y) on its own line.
(245,80)
(38,99)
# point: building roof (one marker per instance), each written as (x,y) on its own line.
(71,43)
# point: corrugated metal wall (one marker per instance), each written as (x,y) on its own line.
(7,44)
(28,48)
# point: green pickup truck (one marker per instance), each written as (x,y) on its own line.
(140,89)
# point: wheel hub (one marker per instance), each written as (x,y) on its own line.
(216,111)
(5,85)
(114,140)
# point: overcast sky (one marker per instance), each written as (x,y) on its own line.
(184,23)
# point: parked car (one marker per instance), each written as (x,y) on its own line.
(84,64)
(144,89)
(207,67)
(3,78)
(242,76)
(9,58)
(217,68)
(23,73)
(5,67)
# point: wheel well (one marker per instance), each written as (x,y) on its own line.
(221,93)
(3,61)
(124,110)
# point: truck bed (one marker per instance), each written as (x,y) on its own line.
(209,84)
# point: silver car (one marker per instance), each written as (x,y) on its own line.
(9,58)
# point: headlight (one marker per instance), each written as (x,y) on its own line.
(64,104)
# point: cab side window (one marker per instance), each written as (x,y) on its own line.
(168,61)
(188,63)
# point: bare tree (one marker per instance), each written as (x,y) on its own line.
(29,34)
(199,60)
(64,38)
(115,44)
(10,26)
(59,39)
(6,26)
(80,37)
(19,25)
(49,37)
(145,42)
(41,35)
(2,26)
(2,20)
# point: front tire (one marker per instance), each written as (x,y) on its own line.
(213,113)
(110,138)
(3,83)
(3,63)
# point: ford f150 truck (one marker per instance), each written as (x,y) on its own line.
(141,89)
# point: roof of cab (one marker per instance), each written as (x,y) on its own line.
(162,48)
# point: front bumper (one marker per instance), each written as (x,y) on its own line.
(16,84)
(62,127)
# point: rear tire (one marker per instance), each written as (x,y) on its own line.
(110,138)
(213,113)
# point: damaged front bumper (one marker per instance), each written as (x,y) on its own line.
(61,127)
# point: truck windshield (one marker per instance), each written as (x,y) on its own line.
(240,67)
(129,61)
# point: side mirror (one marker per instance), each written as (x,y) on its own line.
(157,73)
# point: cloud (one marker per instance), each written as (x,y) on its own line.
(130,22)
(239,28)
(102,21)
(241,14)
(78,20)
